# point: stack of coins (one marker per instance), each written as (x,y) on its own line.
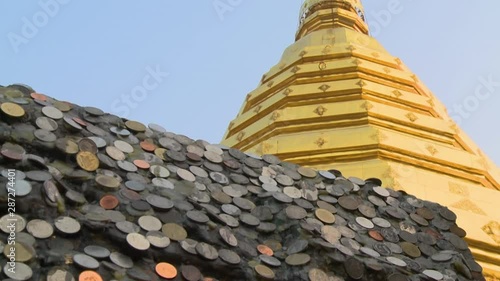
(104,198)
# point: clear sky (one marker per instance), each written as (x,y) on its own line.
(195,61)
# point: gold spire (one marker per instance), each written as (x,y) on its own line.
(323,14)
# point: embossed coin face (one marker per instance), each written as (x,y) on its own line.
(87,161)
(138,241)
(40,229)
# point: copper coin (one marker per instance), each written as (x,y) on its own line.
(109,202)
(89,275)
(166,270)
(147,146)
(265,250)
(38,96)
(141,164)
(375,235)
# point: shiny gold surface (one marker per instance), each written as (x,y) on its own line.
(338,99)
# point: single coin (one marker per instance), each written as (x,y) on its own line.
(364,222)
(6,220)
(350,203)
(150,223)
(410,249)
(89,275)
(107,181)
(229,256)
(87,161)
(138,241)
(52,112)
(23,252)
(354,268)
(147,146)
(40,229)
(264,271)
(265,250)
(45,135)
(375,235)
(127,227)
(325,216)
(159,171)
(115,153)
(331,234)
(22,188)
(206,251)
(46,123)
(135,126)
(190,273)
(166,270)
(370,252)
(307,172)
(86,261)
(295,212)
(159,202)
(67,225)
(228,236)
(197,216)
(297,259)
(22,272)
(121,260)
(141,164)
(97,252)
(272,261)
(158,239)
(189,245)
(383,192)
(396,261)
(433,274)
(38,96)
(12,109)
(174,231)
(87,144)
(109,202)
(381,222)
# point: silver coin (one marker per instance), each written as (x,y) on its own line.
(121,260)
(22,272)
(85,261)
(97,252)
(158,239)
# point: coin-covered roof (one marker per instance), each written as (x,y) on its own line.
(92,196)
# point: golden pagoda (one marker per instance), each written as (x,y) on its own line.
(338,99)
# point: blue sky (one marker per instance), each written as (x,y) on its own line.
(195,64)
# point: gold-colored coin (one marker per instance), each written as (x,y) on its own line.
(87,161)
(135,126)
(12,109)
(174,231)
(325,216)
(264,271)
